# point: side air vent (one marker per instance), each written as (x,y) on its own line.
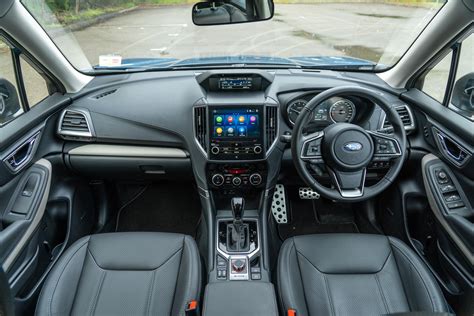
(104,94)
(271,125)
(200,126)
(405,115)
(75,125)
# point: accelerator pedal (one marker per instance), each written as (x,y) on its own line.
(279,205)
(308,194)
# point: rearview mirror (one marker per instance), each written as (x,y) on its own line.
(232,11)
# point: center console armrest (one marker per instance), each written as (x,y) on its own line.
(240,298)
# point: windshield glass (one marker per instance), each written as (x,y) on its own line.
(121,35)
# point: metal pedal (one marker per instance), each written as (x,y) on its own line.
(279,204)
(308,194)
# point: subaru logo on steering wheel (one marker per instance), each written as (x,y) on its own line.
(353,146)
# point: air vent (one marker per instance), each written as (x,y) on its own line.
(200,126)
(405,115)
(271,125)
(104,94)
(74,125)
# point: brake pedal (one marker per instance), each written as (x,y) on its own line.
(279,204)
(308,194)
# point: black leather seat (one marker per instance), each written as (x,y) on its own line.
(124,274)
(354,274)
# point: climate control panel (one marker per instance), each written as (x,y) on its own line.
(237,176)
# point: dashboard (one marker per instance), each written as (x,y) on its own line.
(226,128)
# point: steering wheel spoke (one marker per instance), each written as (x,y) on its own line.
(311,148)
(349,184)
(386,147)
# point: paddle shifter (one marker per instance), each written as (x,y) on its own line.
(237,232)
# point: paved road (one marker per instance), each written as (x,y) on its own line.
(361,30)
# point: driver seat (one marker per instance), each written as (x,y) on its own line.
(354,274)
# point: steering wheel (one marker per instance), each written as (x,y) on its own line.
(347,149)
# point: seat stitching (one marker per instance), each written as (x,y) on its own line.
(162,264)
(150,293)
(301,277)
(328,290)
(99,289)
(60,275)
(384,300)
(418,273)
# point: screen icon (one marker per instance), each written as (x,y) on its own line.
(253,119)
(241,119)
(219,119)
(230,119)
(219,131)
(242,131)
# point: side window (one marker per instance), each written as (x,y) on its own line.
(454,87)
(462,97)
(10,104)
(436,80)
(36,88)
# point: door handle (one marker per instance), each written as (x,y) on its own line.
(22,154)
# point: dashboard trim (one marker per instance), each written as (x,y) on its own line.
(127,151)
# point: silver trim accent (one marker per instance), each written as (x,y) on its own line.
(18,165)
(310,139)
(407,127)
(288,108)
(441,143)
(239,276)
(65,134)
(194,127)
(249,255)
(127,151)
(277,122)
(34,222)
(342,100)
(353,193)
(381,135)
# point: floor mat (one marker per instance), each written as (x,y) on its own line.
(162,208)
(316,217)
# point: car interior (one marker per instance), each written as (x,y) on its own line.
(238,189)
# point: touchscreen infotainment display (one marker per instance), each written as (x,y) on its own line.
(230,124)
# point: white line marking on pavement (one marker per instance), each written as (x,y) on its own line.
(162,49)
(182,25)
(173,34)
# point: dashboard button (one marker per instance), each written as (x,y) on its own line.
(236,181)
(218,179)
(215,150)
(255,179)
(257,149)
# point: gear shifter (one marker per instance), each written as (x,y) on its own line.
(237,232)
(237,204)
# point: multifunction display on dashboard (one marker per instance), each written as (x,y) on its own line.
(236,133)
(235,83)
(236,123)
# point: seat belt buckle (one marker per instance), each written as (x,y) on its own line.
(192,309)
(291,312)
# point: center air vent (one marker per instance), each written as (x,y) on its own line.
(75,125)
(405,115)
(200,126)
(271,125)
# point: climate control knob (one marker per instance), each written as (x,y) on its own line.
(218,179)
(257,149)
(255,179)
(236,181)
(215,150)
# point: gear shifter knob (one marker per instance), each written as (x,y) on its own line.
(237,204)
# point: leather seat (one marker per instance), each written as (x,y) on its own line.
(124,274)
(354,274)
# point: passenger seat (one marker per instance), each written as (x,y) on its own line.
(124,274)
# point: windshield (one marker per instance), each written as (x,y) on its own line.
(121,35)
